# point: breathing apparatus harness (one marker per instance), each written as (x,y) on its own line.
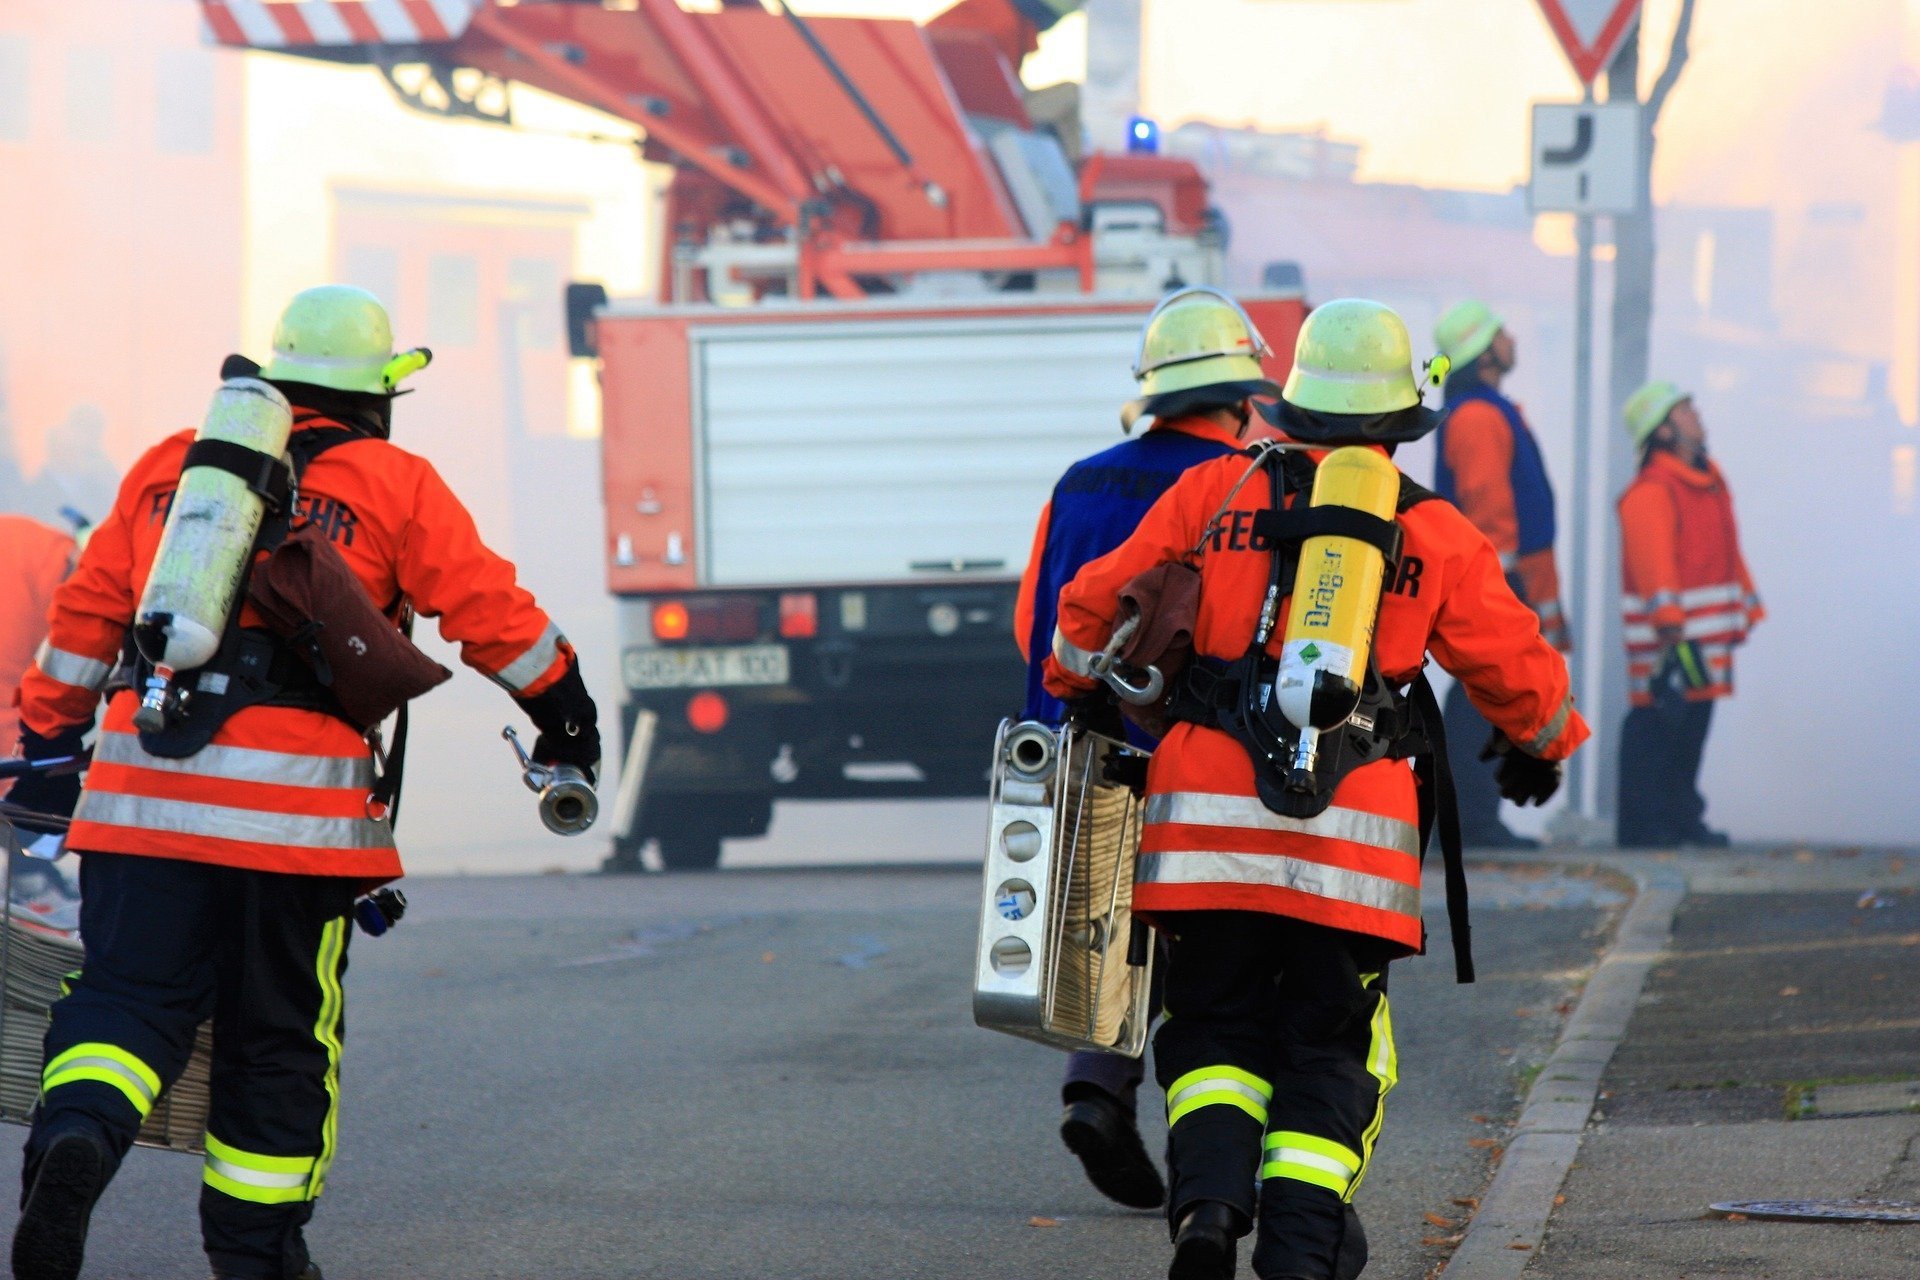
(1238,697)
(254,667)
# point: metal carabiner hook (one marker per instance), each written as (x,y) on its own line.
(1145,693)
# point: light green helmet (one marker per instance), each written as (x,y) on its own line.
(1353,357)
(339,336)
(1648,407)
(1197,338)
(1353,379)
(1466,331)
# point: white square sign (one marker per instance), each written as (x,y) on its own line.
(1586,157)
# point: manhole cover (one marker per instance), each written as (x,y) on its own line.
(1823,1210)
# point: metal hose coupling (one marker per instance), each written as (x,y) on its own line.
(568,802)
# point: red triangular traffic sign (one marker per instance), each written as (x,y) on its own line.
(1589,30)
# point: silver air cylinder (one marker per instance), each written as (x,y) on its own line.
(206,544)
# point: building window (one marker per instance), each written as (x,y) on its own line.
(375,268)
(183,120)
(453,300)
(533,284)
(15,92)
(91,91)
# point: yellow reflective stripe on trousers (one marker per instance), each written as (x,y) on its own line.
(76,669)
(106,1064)
(532,664)
(1307,1158)
(257,1178)
(326,1029)
(1383,1063)
(1218,1086)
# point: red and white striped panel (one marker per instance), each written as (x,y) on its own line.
(292,24)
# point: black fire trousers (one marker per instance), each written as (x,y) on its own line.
(1276,1055)
(170,944)
(1660,750)
(1474,788)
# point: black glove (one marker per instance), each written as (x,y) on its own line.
(1521,778)
(42,792)
(568,723)
(1098,712)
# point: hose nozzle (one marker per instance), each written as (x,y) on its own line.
(568,802)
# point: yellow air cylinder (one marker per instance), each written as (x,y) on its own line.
(207,543)
(1336,600)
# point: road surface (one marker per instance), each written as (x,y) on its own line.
(775,1073)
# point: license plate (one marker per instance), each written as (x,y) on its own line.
(711,668)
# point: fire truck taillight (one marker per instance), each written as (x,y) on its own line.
(707,712)
(670,621)
(799,615)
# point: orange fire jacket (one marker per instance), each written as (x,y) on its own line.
(1209,844)
(1480,453)
(33,559)
(1682,572)
(280,788)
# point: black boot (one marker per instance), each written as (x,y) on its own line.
(1104,1135)
(1206,1244)
(51,1239)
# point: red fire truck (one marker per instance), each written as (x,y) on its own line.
(891,311)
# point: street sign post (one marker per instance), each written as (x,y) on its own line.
(1586,157)
(1589,30)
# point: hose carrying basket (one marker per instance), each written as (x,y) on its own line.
(1061,958)
(36,964)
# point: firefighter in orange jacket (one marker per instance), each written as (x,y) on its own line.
(1488,464)
(34,559)
(1198,369)
(218,883)
(1689,601)
(1277,1052)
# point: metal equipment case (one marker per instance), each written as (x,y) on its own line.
(1061,958)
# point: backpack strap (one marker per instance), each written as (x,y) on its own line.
(1439,805)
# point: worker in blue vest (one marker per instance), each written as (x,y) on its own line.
(1488,464)
(1198,370)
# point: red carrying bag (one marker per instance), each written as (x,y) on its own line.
(307,595)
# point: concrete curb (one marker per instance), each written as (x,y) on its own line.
(1507,1229)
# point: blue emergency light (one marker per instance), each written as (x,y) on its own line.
(1143,136)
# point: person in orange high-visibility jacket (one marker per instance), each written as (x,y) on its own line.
(221,883)
(1198,370)
(34,559)
(1277,1037)
(1689,602)
(1488,464)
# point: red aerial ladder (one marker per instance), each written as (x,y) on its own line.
(891,310)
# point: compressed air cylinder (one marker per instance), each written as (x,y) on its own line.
(208,539)
(1336,596)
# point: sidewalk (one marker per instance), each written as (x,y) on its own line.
(1770,1055)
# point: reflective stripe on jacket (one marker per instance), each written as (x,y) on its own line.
(280,788)
(1096,504)
(1487,463)
(1209,844)
(1681,568)
(33,559)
